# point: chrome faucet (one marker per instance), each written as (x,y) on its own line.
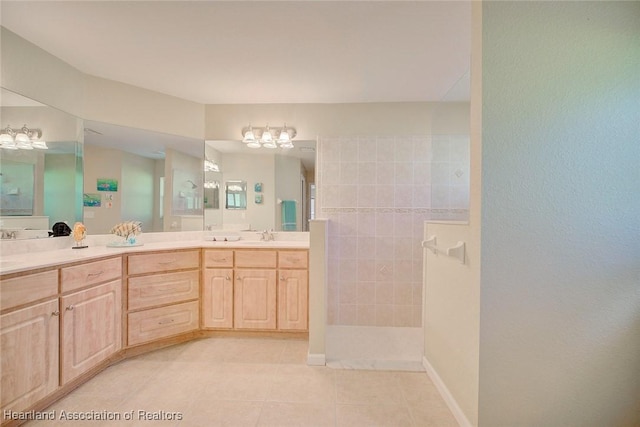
(266,235)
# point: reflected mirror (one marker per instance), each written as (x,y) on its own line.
(154,178)
(236,195)
(40,167)
(278,186)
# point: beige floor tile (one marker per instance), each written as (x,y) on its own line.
(246,387)
(295,352)
(82,405)
(301,383)
(211,413)
(248,382)
(278,414)
(432,414)
(254,350)
(207,350)
(389,415)
(124,379)
(418,387)
(367,387)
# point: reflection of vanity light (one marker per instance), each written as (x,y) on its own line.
(210,166)
(211,184)
(24,138)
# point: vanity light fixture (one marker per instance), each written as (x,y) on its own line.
(265,137)
(21,139)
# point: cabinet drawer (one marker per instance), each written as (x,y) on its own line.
(25,289)
(90,273)
(255,259)
(158,289)
(292,259)
(218,258)
(156,323)
(164,261)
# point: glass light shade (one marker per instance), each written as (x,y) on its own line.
(266,136)
(254,144)
(9,145)
(249,136)
(287,145)
(42,145)
(270,144)
(284,137)
(22,137)
(5,138)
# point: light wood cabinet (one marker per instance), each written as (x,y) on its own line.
(90,273)
(254,300)
(217,298)
(261,289)
(163,291)
(91,328)
(159,289)
(293,289)
(21,290)
(162,261)
(29,345)
(149,325)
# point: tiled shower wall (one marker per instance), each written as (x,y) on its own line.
(377,193)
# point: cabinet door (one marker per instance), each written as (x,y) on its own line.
(255,299)
(29,348)
(91,328)
(217,298)
(292,299)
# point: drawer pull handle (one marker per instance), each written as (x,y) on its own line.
(71,307)
(164,322)
(99,273)
(219,259)
(167,262)
(55,313)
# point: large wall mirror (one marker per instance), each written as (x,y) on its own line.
(276,190)
(40,175)
(140,175)
(103,174)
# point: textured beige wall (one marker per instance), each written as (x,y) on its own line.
(560,294)
(313,120)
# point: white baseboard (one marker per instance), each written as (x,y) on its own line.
(316,359)
(446,394)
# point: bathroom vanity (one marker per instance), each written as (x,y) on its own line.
(66,315)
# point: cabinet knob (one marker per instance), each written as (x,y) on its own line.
(71,307)
(282,279)
(238,278)
(228,278)
(55,313)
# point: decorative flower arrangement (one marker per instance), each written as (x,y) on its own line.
(128,230)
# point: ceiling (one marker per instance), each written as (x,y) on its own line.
(237,52)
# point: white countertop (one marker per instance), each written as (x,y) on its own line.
(12,262)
